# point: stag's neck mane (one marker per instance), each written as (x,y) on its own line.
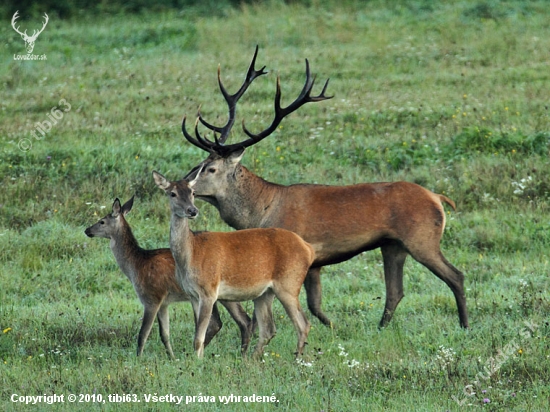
(249,200)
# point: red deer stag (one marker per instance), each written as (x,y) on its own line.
(153,275)
(338,221)
(253,264)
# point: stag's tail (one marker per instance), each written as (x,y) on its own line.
(448,201)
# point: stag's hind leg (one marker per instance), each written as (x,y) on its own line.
(434,260)
(312,285)
(263,314)
(394,255)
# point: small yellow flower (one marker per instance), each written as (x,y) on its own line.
(137,157)
(278,149)
(506,108)
(465,96)
(6,330)
(483,118)
(520,351)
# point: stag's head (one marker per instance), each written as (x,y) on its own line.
(180,194)
(221,165)
(29,40)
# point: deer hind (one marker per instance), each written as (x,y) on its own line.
(29,40)
(255,264)
(340,222)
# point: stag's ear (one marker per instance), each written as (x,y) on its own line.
(116,207)
(194,181)
(160,180)
(236,156)
(128,206)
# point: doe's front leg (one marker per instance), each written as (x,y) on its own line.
(203,312)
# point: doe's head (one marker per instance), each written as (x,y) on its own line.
(180,194)
(109,225)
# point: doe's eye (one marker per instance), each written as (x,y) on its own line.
(211,170)
(101,222)
(172,194)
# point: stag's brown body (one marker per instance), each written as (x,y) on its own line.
(153,275)
(339,221)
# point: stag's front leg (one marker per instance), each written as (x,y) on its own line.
(394,256)
(312,284)
(264,317)
(238,314)
(203,313)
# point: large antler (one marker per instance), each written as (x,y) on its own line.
(218,145)
(231,100)
(281,113)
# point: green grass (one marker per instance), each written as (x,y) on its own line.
(450,95)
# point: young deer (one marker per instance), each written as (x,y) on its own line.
(254,264)
(152,273)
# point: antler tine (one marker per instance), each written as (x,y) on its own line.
(280,113)
(232,99)
(192,140)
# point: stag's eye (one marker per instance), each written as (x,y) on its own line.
(101,222)
(211,170)
(172,194)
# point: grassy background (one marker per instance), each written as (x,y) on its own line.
(452,95)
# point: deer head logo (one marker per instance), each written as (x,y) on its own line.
(29,40)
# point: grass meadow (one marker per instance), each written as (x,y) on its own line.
(451,95)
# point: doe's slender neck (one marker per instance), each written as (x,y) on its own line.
(181,238)
(126,250)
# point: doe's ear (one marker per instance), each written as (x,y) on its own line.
(116,207)
(128,206)
(160,180)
